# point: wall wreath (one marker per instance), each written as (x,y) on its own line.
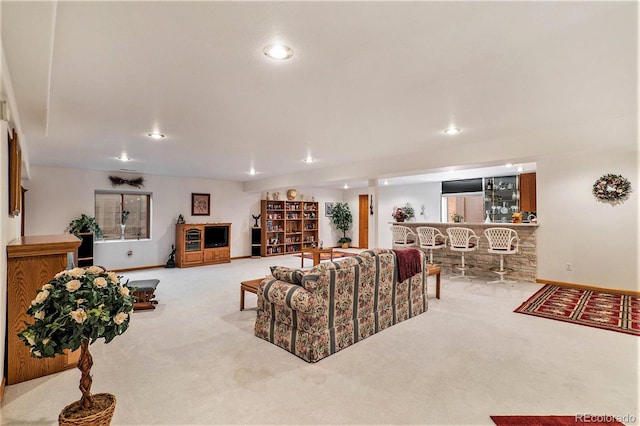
(611,188)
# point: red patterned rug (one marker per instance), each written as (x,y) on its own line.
(586,419)
(325,256)
(609,311)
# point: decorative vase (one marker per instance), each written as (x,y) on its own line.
(99,414)
(122,227)
(399,220)
(291,194)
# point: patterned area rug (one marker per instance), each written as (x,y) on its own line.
(616,312)
(325,256)
(554,420)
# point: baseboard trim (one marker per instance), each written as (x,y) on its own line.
(588,287)
(2,388)
(138,268)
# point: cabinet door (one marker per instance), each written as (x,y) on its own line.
(193,240)
(528,192)
(194,257)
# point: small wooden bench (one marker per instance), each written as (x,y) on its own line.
(252,285)
(144,294)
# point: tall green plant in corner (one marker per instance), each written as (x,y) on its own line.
(342,219)
(84,224)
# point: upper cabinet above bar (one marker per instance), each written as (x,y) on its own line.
(528,192)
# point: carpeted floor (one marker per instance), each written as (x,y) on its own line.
(194,360)
(554,420)
(609,311)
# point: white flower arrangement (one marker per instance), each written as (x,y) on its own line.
(76,305)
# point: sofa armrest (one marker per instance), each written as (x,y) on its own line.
(285,294)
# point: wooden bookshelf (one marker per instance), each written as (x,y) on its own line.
(288,226)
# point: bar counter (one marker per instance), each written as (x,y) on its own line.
(524,263)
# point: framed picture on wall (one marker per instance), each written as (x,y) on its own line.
(328,209)
(15,163)
(200,204)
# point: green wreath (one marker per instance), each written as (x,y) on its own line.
(611,187)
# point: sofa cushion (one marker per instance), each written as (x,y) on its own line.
(288,275)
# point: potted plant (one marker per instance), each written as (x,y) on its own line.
(342,219)
(73,310)
(84,224)
(457,218)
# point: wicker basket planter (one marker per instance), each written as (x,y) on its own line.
(99,414)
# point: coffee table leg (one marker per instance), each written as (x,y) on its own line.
(438,285)
(242,299)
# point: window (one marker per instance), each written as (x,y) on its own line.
(109,214)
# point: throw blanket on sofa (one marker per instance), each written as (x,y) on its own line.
(408,263)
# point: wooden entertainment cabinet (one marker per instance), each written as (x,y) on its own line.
(202,244)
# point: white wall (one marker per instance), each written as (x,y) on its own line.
(10,229)
(421,195)
(9,226)
(599,240)
(58,195)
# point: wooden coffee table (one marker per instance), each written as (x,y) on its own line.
(316,254)
(251,286)
(435,270)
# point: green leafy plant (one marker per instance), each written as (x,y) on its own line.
(84,224)
(457,217)
(73,310)
(342,219)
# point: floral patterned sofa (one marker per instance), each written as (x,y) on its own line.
(317,312)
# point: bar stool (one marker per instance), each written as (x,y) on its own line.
(430,239)
(460,240)
(502,241)
(403,237)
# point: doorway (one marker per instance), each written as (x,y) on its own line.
(363,221)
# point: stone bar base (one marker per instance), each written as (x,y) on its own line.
(524,263)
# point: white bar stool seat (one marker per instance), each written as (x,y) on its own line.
(502,241)
(462,241)
(403,237)
(430,239)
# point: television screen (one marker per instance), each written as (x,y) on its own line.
(216,236)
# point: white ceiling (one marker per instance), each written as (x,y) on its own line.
(367,93)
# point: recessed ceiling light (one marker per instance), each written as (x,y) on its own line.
(346,186)
(386,182)
(155,135)
(278,51)
(124,157)
(309,159)
(451,131)
(252,171)
(508,165)
(520,169)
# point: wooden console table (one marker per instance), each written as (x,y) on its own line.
(32,262)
